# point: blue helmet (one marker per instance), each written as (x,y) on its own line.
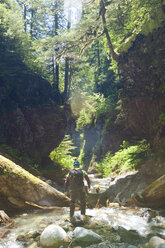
(76,163)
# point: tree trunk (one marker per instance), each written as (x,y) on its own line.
(56,26)
(66,78)
(18,186)
(31,22)
(102,13)
(67,64)
(25,20)
(153,195)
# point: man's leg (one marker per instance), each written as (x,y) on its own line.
(72,203)
(83,202)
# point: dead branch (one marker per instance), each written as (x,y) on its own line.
(42,207)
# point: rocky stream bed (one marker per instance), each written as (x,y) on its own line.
(113,226)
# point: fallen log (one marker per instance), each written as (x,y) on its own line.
(18,186)
(153,195)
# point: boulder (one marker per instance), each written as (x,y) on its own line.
(155,241)
(54,236)
(85,237)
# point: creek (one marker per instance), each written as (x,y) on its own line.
(118,226)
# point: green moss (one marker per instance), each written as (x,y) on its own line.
(161,118)
(127,43)
(151,23)
(10,168)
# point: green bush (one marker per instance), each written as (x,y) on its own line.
(161,118)
(61,156)
(125,159)
(92,109)
(100,167)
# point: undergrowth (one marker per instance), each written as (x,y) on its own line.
(126,159)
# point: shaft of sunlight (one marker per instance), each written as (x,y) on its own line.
(73,11)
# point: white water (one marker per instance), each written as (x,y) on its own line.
(136,220)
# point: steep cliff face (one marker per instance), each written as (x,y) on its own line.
(31,118)
(142,71)
(142,75)
(35,132)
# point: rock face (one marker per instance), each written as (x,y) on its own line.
(143,94)
(32,119)
(142,78)
(35,132)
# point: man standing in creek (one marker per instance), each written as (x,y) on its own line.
(75,182)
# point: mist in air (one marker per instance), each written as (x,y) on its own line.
(73,11)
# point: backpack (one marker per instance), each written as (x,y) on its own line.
(76,179)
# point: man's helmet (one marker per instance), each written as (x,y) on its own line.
(76,163)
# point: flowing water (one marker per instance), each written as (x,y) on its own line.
(118,226)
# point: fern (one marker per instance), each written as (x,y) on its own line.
(125,159)
(62,154)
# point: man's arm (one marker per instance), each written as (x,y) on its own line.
(66,184)
(87,179)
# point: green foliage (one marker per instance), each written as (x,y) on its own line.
(100,167)
(125,159)
(132,18)
(162,117)
(62,155)
(162,88)
(15,153)
(9,150)
(82,153)
(90,108)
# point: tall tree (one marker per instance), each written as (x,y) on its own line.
(66,85)
(55,64)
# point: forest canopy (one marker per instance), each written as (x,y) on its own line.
(75,45)
(72,53)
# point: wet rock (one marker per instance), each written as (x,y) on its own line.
(128,236)
(79,220)
(33,245)
(155,241)
(54,236)
(70,234)
(105,244)
(85,237)
(161,246)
